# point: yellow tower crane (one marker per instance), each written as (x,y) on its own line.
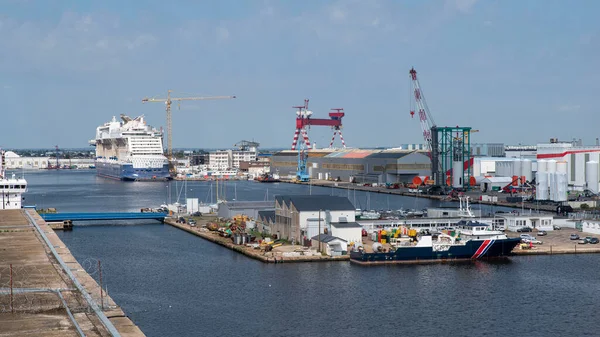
(168,102)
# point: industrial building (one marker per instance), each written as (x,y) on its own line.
(14,161)
(580,163)
(488,150)
(228,210)
(298,218)
(361,166)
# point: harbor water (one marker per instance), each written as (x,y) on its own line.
(172,283)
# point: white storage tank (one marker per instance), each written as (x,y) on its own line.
(457,174)
(542,165)
(591,176)
(561,187)
(551,166)
(551,186)
(561,167)
(526,170)
(516,167)
(503,168)
(541,191)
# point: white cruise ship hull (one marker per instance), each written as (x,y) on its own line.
(126,171)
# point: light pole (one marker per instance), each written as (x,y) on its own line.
(319,239)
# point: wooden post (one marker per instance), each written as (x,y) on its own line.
(12,309)
(101,291)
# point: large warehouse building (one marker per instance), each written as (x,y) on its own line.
(362,166)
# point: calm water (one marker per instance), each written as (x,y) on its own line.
(174,284)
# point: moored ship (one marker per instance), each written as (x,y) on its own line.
(474,240)
(471,240)
(130,150)
(12,187)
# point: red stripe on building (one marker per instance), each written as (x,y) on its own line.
(560,155)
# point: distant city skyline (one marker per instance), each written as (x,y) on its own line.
(520,72)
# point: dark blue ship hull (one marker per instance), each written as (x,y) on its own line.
(127,172)
(471,250)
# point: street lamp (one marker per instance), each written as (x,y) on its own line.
(319,234)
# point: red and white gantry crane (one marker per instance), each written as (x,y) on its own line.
(304,119)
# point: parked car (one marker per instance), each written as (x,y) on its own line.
(574,237)
(542,233)
(594,241)
(197,214)
(192,222)
(556,228)
(524,229)
(526,236)
(437,190)
(582,242)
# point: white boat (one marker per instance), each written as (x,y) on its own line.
(12,188)
(370,215)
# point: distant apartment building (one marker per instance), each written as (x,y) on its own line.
(229,159)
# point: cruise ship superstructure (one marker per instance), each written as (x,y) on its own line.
(12,187)
(130,150)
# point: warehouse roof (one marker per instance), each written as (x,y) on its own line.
(249,204)
(326,238)
(316,202)
(267,216)
(393,155)
(346,225)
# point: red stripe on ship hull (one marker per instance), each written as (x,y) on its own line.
(481,249)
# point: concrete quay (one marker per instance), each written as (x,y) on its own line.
(404,192)
(274,256)
(38,297)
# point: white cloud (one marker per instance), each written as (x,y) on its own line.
(78,41)
(568,108)
(337,14)
(222,34)
(464,6)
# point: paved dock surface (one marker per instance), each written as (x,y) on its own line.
(275,256)
(39,282)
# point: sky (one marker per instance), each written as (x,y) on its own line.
(520,72)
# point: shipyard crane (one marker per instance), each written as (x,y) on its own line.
(444,145)
(304,119)
(168,101)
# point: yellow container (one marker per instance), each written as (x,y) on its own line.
(412,232)
(383,241)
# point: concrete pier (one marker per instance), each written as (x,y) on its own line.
(267,257)
(404,192)
(38,297)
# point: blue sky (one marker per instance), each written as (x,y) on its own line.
(518,71)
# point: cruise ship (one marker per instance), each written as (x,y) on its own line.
(130,150)
(12,187)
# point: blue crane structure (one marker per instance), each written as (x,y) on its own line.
(302,173)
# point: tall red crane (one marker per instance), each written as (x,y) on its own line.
(425,117)
(304,120)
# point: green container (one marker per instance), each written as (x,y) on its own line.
(495,188)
